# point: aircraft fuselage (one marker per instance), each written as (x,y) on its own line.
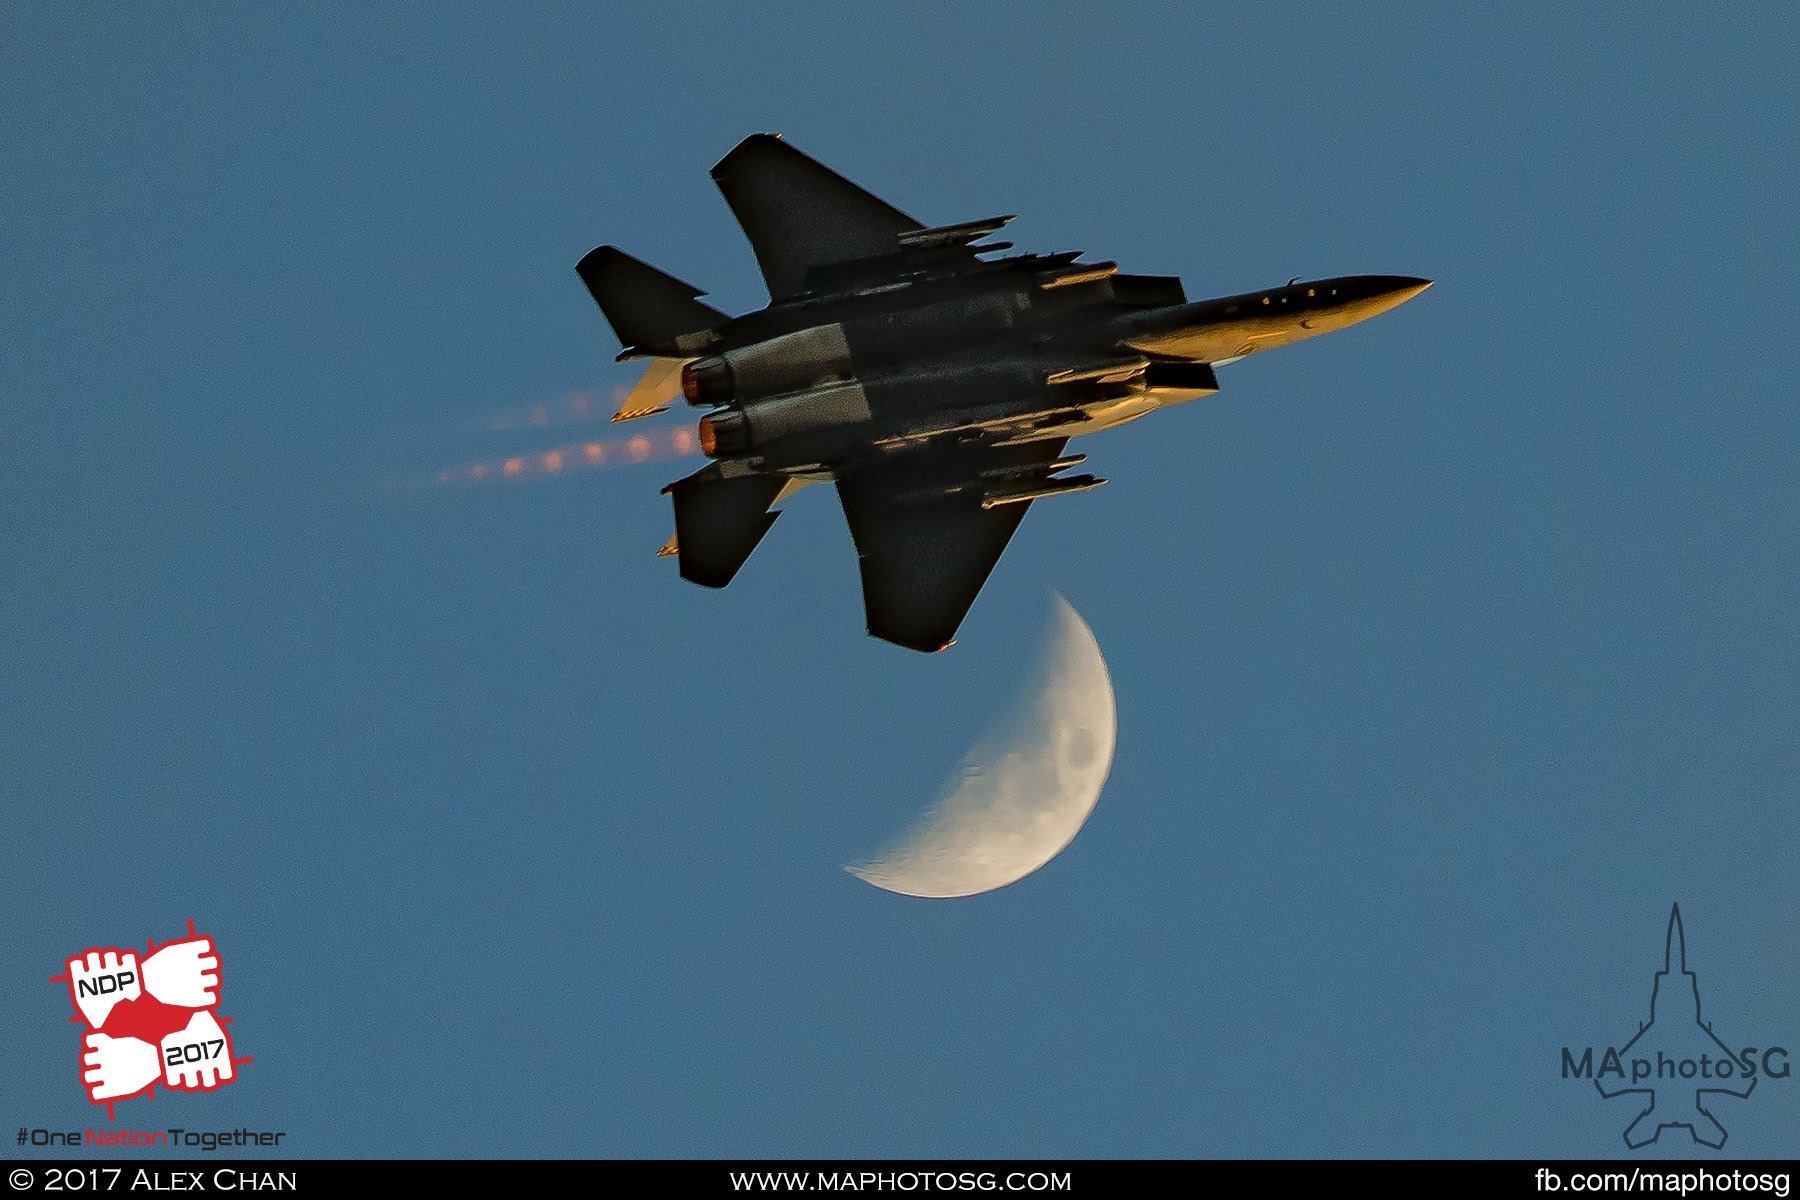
(1231,327)
(900,368)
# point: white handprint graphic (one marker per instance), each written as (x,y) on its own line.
(101,980)
(151,1017)
(198,1057)
(184,973)
(117,1067)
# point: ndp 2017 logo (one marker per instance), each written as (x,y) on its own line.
(150,1020)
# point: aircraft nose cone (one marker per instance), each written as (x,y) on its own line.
(1392,290)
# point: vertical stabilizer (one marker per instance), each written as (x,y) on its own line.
(650,311)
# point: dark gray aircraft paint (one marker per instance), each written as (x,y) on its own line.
(935,384)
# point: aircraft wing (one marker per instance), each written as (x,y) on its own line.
(800,214)
(925,543)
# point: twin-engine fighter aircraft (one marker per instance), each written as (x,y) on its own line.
(935,384)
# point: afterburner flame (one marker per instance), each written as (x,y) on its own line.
(574,408)
(574,457)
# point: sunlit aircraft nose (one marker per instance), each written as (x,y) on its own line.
(1390,291)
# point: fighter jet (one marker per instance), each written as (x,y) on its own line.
(935,380)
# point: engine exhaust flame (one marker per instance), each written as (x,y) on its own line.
(572,409)
(574,457)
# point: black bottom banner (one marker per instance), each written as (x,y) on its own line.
(218,1174)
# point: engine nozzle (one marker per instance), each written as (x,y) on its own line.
(706,382)
(724,433)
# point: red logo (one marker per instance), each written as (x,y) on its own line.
(150,1020)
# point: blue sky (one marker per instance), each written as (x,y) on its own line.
(1449,650)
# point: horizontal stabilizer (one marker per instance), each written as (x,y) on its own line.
(648,310)
(719,521)
(660,384)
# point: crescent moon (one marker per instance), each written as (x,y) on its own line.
(1025,791)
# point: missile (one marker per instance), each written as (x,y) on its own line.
(1049,487)
(951,235)
(1109,370)
(1031,468)
(1078,273)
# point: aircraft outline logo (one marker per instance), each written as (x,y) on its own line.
(1700,1122)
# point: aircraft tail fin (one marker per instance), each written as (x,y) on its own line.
(652,312)
(719,522)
